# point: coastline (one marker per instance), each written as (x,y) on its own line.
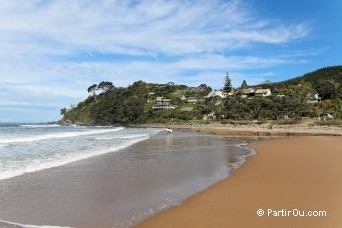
(305,175)
(255,130)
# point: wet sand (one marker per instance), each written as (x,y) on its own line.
(303,173)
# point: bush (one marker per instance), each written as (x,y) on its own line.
(334,122)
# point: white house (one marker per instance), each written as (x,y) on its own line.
(312,98)
(248,91)
(192,100)
(263,92)
(219,93)
(163,106)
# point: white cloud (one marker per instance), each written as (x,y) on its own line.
(165,27)
(52,50)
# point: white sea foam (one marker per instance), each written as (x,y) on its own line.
(39,125)
(62,159)
(32,226)
(57,135)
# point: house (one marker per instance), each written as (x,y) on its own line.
(312,98)
(192,100)
(163,106)
(160,85)
(159,99)
(263,92)
(231,93)
(249,91)
(219,93)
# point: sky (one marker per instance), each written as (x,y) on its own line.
(51,51)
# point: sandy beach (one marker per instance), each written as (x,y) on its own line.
(287,177)
(303,129)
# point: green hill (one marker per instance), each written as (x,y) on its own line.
(140,102)
(332,74)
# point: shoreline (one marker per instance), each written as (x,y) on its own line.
(254,130)
(305,175)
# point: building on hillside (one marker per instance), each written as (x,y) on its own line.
(231,93)
(160,85)
(248,92)
(263,92)
(150,97)
(192,100)
(163,106)
(312,98)
(220,93)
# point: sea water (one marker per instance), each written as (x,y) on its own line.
(26,148)
(105,176)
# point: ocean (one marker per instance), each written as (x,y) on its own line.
(79,176)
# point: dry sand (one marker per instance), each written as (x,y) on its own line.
(303,173)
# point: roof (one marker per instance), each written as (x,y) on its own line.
(262,90)
(216,93)
(249,90)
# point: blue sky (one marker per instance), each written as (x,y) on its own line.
(53,50)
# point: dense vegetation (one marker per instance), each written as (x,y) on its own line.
(332,74)
(325,81)
(290,100)
(129,105)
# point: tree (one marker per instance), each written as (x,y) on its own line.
(277,107)
(244,85)
(255,106)
(105,86)
(63,111)
(92,89)
(236,107)
(325,89)
(204,90)
(213,103)
(228,83)
(302,92)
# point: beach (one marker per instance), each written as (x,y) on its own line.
(191,178)
(287,178)
(129,175)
